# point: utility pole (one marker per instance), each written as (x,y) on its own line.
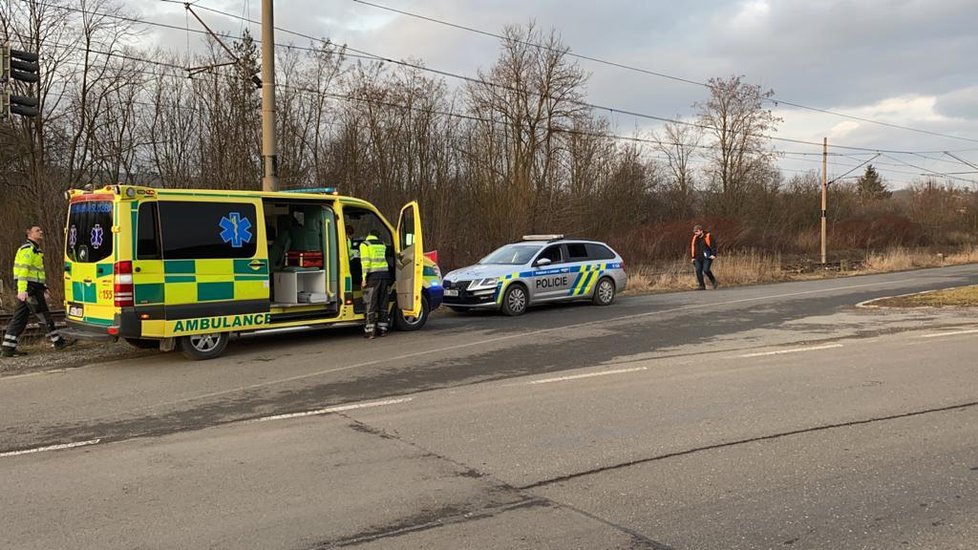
(825,185)
(269,143)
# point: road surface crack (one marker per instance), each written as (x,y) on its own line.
(612,467)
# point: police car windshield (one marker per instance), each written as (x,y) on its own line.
(512,254)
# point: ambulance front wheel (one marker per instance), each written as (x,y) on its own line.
(408,323)
(204,346)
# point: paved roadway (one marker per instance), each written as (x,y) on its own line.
(774,416)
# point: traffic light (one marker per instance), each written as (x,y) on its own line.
(22,66)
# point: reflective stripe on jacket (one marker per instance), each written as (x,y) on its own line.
(373,256)
(28,266)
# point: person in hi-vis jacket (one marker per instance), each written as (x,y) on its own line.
(703,249)
(32,293)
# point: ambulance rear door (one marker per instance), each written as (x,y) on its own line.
(90,256)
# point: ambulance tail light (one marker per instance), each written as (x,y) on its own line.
(123,284)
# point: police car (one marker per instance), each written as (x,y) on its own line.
(539,269)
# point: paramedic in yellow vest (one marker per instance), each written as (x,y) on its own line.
(376,284)
(353,251)
(31,294)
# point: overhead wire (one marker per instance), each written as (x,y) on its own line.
(773,99)
(368,55)
(582,103)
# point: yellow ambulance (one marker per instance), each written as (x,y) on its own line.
(188,268)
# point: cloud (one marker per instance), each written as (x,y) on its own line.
(905,62)
(962,104)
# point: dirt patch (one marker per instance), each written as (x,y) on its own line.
(42,357)
(966,296)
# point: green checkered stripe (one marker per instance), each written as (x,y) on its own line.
(87,294)
(192,281)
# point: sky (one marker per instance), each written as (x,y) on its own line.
(909,63)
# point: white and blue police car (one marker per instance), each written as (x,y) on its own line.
(539,269)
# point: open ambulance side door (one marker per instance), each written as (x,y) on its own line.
(410,260)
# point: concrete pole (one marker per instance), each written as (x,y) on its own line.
(825,185)
(269,143)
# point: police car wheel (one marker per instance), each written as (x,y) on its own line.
(604,292)
(143,343)
(515,300)
(411,323)
(200,347)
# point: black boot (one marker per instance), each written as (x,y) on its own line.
(62,343)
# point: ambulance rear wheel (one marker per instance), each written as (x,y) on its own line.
(204,346)
(515,300)
(401,322)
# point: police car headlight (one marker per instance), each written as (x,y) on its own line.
(489,282)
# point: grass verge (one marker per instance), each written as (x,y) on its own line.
(966,296)
(752,267)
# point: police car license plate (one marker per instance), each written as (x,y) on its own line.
(76,311)
(451,292)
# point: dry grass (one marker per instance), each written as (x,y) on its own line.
(952,297)
(753,267)
(738,269)
(899,259)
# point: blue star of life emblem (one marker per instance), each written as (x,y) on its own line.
(97,235)
(235,229)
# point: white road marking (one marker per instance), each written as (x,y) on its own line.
(589,375)
(955,333)
(336,409)
(50,448)
(793,350)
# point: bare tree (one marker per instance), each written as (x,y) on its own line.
(679,143)
(534,92)
(736,120)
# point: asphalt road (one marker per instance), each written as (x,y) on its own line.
(774,416)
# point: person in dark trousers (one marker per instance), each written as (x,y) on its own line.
(704,250)
(31,295)
(376,284)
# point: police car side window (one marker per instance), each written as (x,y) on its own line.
(599,252)
(551,253)
(576,252)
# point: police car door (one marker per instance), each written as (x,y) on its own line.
(551,280)
(410,260)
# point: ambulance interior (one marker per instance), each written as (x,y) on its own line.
(359,222)
(303,257)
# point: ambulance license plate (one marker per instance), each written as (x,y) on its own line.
(451,292)
(76,311)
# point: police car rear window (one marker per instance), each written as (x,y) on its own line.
(599,252)
(577,252)
(89,238)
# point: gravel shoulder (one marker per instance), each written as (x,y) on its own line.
(43,357)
